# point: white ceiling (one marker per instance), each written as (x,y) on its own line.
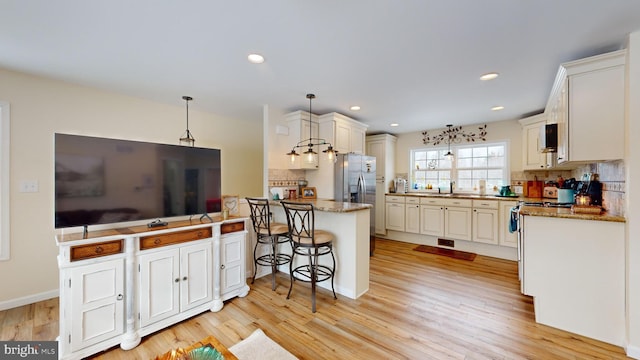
(414,62)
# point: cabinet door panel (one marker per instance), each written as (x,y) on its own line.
(485,226)
(432,220)
(412,218)
(458,223)
(195,269)
(395,216)
(159,286)
(232,264)
(97,306)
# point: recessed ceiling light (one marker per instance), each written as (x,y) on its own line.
(489,76)
(496,108)
(256,58)
(393,124)
(355,108)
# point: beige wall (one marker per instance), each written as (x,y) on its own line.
(509,131)
(40,107)
(632,159)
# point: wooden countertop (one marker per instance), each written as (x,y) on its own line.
(328,205)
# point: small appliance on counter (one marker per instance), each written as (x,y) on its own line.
(589,190)
(401,185)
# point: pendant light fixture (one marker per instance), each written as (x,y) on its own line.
(187,139)
(310,155)
(449,155)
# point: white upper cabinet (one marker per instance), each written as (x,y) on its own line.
(532,157)
(345,134)
(587,103)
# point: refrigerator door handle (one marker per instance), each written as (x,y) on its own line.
(363,188)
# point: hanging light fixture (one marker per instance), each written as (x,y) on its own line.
(187,139)
(310,155)
(449,154)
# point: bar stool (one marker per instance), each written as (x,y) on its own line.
(311,243)
(268,233)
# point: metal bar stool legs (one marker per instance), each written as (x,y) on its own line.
(312,244)
(268,234)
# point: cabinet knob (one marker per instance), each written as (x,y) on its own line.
(199,234)
(184,278)
(99,249)
(177,280)
(157,241)
(120,297)
(222,266)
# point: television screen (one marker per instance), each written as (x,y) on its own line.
(101,181)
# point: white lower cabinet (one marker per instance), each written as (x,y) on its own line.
(232,269)
(485,221)
(115,289)
(95,309)
(173,281)
(457,215)
(507,238)
(395,213)
(412,215)
(432,217)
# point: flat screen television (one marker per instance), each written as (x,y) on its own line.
(103,181)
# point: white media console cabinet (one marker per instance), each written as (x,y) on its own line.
(118,285)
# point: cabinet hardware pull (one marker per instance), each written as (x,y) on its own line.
(177,280)
(184,278)
(157,241)
(120,297)
(99,249)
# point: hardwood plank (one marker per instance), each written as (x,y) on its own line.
(419,306)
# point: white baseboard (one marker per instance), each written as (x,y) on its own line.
(633,351)
(10,304)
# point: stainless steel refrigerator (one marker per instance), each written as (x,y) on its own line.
(355,181)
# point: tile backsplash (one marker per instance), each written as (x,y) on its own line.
(285,178)
(611,175)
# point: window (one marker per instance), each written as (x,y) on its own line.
(431,170)
(4,180)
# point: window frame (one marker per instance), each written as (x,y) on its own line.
(454,170)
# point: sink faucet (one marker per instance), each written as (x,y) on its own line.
(451,183)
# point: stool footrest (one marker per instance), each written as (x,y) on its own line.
(268,260)
(303,273)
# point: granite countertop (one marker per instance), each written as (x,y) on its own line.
(527,210)
(328,205)
(464,196)
(568,214)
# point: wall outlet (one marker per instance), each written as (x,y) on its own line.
(29,186)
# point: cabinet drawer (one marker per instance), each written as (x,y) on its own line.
(485,204)
(431,201)
(82,252)
(457,202)
(231,227)
(412,200)
(150,242)
(395,199)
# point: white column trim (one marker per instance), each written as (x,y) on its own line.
(5,166)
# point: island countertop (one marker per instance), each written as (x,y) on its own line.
(328,205)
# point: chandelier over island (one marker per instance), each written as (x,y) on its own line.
(310,154)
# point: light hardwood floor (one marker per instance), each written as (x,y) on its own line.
(419,306)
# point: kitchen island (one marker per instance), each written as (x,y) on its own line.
(574,267)
(349,224)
